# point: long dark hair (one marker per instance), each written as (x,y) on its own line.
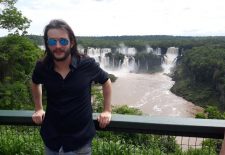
(59,24)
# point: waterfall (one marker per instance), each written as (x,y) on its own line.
(99,54)
(169,59)
(128,64)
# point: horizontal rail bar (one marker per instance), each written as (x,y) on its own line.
(176,126)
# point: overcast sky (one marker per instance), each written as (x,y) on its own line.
(129,17)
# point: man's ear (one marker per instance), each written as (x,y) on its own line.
(72,44)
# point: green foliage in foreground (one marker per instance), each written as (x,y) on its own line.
(17,59)
(17,140)
(122,148)
(211,112)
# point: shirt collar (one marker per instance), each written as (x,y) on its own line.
(73,65)
(74,62)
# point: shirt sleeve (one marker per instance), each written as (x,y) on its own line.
(98,75)
(37,77)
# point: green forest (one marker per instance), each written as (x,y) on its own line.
(199,77)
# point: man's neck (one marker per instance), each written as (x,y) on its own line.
(62,65)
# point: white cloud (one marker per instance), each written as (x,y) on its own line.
(129,17)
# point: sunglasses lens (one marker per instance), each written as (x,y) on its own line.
(52,42)
(64,41)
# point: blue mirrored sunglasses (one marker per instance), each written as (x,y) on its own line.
(62,41)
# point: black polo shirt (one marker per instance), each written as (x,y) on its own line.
(68,120)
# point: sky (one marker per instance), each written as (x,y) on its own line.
(128,17)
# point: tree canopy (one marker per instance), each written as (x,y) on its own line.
(18,55)
(12,19)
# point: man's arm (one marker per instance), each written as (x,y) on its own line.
(105,117)
(39,113)
(222,151)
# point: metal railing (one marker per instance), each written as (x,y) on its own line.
(127,134)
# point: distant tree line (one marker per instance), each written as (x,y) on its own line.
(140,42)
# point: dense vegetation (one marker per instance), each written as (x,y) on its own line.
(140,42)
(17,59)
(200,76)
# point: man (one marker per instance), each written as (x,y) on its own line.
(67,125)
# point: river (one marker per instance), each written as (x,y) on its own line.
(151,94)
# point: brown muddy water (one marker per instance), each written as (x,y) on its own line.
(151,94)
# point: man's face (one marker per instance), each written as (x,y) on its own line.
(59,44)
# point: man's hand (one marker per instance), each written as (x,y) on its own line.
(104,119)
(38,116)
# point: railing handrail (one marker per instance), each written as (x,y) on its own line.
(176,126)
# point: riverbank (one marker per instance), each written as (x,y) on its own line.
(200,95)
